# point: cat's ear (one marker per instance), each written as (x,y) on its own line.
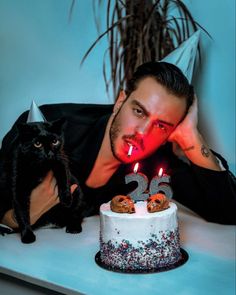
(58,125)
(24,130)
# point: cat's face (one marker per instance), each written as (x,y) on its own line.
(41,140)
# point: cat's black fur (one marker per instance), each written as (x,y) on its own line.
(37,149)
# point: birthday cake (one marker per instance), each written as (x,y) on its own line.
(141,241)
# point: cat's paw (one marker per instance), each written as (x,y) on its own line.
(65,198)
(74,228)
(28,237)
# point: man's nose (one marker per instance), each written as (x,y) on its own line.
(143,128)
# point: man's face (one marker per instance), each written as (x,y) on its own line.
(145,120)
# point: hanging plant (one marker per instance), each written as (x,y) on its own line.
(139,31)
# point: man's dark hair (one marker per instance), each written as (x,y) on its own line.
(168,75)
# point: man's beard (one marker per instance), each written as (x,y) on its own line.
(115,130)
(114,133)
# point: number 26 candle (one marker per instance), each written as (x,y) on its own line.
(160,183)
(139,193)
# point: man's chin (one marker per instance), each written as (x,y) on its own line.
(127,160)
(123,159)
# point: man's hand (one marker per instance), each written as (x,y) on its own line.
(187,141)
(187,129)
(42,199)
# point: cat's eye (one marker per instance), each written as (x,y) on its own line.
(38,144)
(55,142)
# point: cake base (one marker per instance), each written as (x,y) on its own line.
(183,260)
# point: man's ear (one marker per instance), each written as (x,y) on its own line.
(119,101)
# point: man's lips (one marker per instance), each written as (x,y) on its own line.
(129,143)
(137,143)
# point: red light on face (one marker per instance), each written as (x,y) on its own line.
(160,173)
(136,167)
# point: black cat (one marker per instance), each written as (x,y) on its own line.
(38,148)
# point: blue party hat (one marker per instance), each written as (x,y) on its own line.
(184,56)
(35,115)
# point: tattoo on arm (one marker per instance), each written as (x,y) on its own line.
(189,148)
(205,151)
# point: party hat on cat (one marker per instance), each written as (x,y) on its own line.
(35,115)
(184,56)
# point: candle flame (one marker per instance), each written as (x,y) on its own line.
(136,167)
(160,173)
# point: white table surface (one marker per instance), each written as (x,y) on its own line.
(65,262)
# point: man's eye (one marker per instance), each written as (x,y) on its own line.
(160,126)
(138,112)
(38,144)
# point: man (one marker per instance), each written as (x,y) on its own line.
(157,108)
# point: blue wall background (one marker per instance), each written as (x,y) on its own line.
(40,54)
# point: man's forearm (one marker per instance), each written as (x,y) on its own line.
(198,152)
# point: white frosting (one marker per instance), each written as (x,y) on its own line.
(140,241)
(136,226)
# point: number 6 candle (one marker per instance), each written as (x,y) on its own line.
(139,193)
(159,183)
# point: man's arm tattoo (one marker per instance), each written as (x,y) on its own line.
(205,151)
(189,148)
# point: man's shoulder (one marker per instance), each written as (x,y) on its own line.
(72,110)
